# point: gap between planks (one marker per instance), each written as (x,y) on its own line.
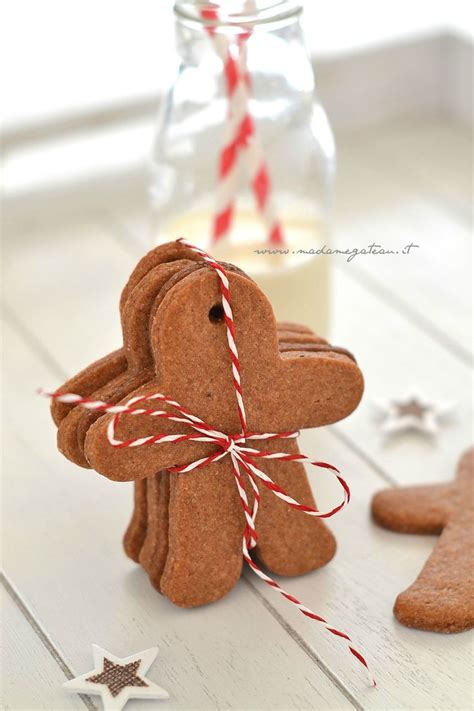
(43,637)
(387,295)
(296,637)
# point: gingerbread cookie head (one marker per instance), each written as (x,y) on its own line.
(282,391)
(136,300)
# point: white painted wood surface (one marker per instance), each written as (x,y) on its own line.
(251,650)
(31,676)
(406,185)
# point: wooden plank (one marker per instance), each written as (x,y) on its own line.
(356,591)
(394,208)
(396,358)
(31,678)
(433,154)
(75,578)
(64,281)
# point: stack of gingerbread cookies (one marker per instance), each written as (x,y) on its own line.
(186,529)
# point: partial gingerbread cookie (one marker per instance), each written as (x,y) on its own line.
(442,597)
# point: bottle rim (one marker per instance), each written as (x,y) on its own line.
(271,11)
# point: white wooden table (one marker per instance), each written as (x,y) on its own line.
(66,580)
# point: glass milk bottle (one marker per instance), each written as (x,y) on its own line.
(244,154)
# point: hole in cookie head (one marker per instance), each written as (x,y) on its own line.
(216,313)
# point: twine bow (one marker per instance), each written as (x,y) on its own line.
(233,445)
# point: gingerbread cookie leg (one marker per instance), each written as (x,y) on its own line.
(155,546)
(135,534)
(205,558)
(442,597)
(289,542)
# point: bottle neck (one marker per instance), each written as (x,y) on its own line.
(236,13)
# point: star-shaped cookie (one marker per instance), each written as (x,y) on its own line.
(118,680)
(411,413)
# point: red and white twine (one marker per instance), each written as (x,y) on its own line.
(234,445)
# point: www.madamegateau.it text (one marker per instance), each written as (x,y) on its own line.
(350,252)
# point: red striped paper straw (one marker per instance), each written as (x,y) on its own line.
(240,135)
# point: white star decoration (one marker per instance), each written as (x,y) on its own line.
(118,680)
(411,413)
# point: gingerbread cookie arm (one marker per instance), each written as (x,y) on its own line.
(133,463)
(414,509)
(73,429)
(298,404)
(294,328)
(289,541)
(442,597)
(88,381)
(191,353)
(295,337)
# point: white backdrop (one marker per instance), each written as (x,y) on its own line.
(69,56)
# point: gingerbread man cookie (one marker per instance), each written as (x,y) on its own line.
(187,528)
(442,597)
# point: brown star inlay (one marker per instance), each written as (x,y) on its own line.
(117,676)
(412,407)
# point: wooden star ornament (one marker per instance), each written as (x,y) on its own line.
(118,680)
(411,413)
